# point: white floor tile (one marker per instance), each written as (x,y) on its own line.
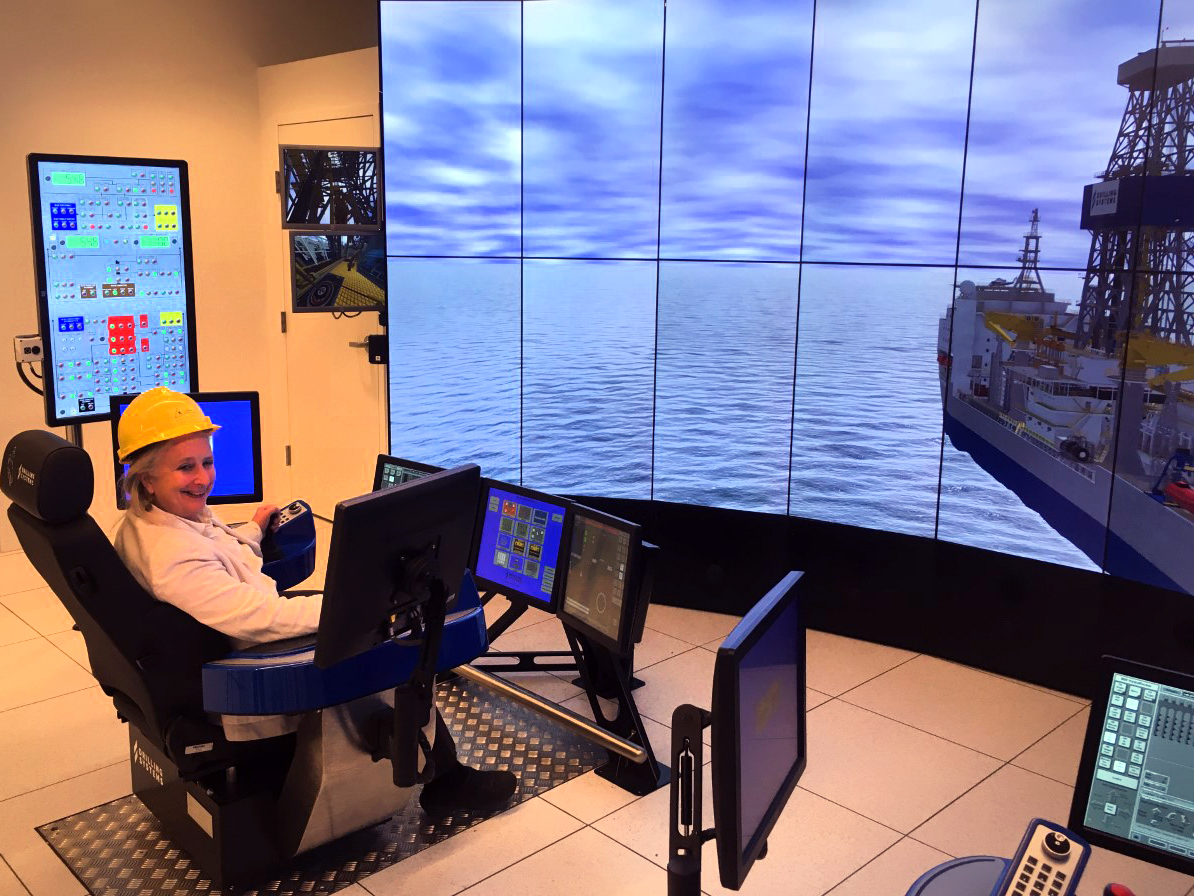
(498,605)
(657,647)
(40,609)
(36,670)
(693,626)
(836,664)
(684,678)
(584,864)
(64,737)
(886,771)
(9,884)
(36,865)
(72,644)
(994,715)
(547,634)
(1057,754)
(659,736)
(475,854)
(17,573)
(990,819)
(892,872)
(13,629)
(813,699)
(589,797)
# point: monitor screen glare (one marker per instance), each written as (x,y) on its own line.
(519,548)
(596,584)
(1136,783)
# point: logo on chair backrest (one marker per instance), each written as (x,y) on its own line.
(142,759)
(24,475)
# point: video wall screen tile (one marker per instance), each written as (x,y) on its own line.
(455,355)
(1028,441)
(867,430)
(735,106)
(451,127)
(1044,117)
(887,131)
(593,75)
(588,376)
(724,397)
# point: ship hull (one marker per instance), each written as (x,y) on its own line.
(1145,539)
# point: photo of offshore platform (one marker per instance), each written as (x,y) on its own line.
(1088,414)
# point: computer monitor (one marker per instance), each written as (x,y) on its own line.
(1135,786)
(337,271)
(601,587)
(329,187)
(385,547)
(758,740)
(236,445)
(392,471)
(521,542)
(115,289)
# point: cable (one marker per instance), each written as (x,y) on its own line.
(25,378)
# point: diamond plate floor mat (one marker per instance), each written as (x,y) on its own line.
(118,848)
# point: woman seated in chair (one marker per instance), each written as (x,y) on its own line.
(182,554)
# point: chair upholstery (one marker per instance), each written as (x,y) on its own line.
(146,655)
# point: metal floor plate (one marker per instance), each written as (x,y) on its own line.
(118,848)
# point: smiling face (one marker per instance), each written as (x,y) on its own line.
(183,476)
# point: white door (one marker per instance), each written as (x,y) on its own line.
(336,400)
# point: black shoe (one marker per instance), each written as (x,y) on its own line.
(464,789)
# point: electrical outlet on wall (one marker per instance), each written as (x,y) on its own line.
(28,348)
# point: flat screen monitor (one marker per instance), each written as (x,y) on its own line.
(337,271)
(329,187)
(115,289)
(236,445)
(758,740)
(1135,788)
(392,471)
(522,539)
(601,587)
(422,528)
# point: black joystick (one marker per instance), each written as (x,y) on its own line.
(1057,845)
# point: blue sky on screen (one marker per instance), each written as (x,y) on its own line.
(888,119)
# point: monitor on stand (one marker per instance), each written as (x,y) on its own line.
(758,742)
(522,544)
(115,288)
(1135,784)
(392,471)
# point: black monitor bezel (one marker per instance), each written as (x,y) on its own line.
(41,278)
(727,771)
(1108,666)
(332,228)
(501,588)
(254,400)
(624,642)
(294,235)
(353,625)
(383,459)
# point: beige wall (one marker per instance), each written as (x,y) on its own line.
(141,78)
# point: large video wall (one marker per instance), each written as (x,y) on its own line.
(776,256)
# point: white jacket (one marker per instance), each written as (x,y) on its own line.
(213,573)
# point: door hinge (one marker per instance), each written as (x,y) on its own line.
(283,321)
(288,455)
(277,181)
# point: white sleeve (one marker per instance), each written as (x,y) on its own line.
(203,587)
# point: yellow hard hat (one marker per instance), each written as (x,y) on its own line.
(156,416)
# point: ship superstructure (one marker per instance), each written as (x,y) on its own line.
(1088,414)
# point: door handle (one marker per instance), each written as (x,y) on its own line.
(358,345)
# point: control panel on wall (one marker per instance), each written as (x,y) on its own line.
(116,305)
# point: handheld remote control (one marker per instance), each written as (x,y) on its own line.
(1049,862)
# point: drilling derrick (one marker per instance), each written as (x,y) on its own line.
(1139,276)
(1138,293)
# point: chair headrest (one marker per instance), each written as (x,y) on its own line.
(47,476)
